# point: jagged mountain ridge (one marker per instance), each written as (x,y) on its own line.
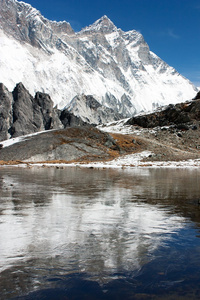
(22,114)
(114,66)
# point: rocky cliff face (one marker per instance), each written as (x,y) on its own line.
(22,114)
(197,96)
(30,114)
(115,67)
(6,102)
(26,24)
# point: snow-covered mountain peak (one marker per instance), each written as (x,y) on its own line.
(26,24)
(115,67)
(103,25)
(20,9)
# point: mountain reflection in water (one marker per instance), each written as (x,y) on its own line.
(111,234)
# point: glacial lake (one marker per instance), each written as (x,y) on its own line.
(78,233)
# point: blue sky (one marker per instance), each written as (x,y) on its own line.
(170,27)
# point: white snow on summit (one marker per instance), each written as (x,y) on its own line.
(115,67)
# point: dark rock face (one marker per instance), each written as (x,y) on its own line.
(50,116)
(21,114)
(32,114)
(178,114)
(6,100)
(68,119)
(197,96)
(92,103)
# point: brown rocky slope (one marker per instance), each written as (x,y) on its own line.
(67,145)
(173,133)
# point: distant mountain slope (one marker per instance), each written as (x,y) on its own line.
(115,67)
(91,111)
